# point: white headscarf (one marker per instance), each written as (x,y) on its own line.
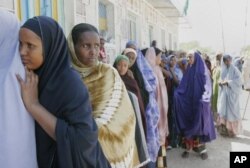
(17,129)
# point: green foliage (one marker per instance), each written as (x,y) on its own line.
(194,45)
(245,51)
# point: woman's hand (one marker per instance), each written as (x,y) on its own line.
(166,73)
(29,89)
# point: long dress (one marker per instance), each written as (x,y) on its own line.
(216,77)
(112,111)
(146,81)
(131,85)
(162,95)
(229,117)
(192,103)
(173,137)
(162,102)
(246,72)
(139,133)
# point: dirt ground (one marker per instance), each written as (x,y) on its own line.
(218,150)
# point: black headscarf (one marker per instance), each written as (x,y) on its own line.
(63,94)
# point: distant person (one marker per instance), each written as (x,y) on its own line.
(246,73)
(17,127)
(208,63)
(193,107)
(238,62)
(122,64)
(216,77)
(102,54)
(153,43)
(147,83)
(153,56)
(230,85)
(172,81)
(53,93)
(182,63)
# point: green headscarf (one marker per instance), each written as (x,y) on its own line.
(121,57)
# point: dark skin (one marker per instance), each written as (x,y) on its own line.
(132,58)
(87,48)
(166,73)
(31,51)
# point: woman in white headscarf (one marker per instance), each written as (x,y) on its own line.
(230,85)
(17,130)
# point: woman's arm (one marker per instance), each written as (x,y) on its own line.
(29,92)
(175,78)
(166,73)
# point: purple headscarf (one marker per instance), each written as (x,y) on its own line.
(192,103)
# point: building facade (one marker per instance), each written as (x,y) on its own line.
(117,20)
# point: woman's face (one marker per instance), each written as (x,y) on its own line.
(158,59)
(191,59)
(122,67)
(87,48)
(31,49)
(173,62)
(131,56)
(227,62)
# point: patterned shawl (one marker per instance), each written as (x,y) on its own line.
(112,110)
(151,111)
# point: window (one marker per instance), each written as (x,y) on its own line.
(163,39)
(103,23)
(150,30)
(46,8)
(132,28)
(106,20)
(170,41)
(29,8)
(60,12)
(80,11)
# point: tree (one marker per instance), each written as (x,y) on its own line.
(194,45)
(245,51)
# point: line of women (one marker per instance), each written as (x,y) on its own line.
(61,107)
(79,113)
(76,117)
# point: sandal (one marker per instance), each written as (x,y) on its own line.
(204,156)
(185,154)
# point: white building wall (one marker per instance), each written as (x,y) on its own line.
(144,13)
(77,11)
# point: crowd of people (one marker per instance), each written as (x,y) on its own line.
(63,106)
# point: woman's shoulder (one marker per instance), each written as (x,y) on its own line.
(71,81)
(106,67)
(108,70)
(102,73)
